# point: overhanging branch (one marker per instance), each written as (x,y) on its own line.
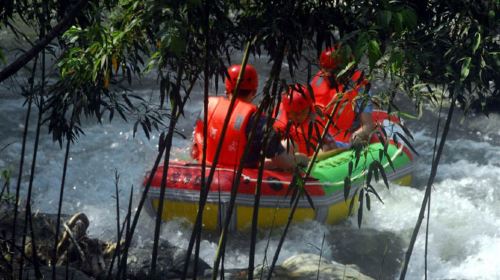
(61,27)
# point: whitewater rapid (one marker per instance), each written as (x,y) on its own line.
(465,214)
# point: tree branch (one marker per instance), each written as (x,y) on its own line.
(61,27)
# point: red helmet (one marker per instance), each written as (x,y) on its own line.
(297,98)
(327,59)
(249,81)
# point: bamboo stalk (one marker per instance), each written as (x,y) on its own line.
(23,151)
(61,195)
(124,228)
(204,193)
(205,131)
(117,194)
(131,227)
(428,189)
(33,167)
(168,143)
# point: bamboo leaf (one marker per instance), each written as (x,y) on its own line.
(477,42)
(382,172)
(309,199)
(406,130)
(367,196)
(369,173)
(409,18)
(375,170)
(347,187)
(408,144)
(384,18)
(389,160)
(371,189)
(464,72)
(353,201)
(373,53)
(360,209)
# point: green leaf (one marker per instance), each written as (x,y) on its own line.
(353,201)
(464,73)
(477,42)
(177,45)
(360,209)
(347,187)
(409,18)
(371,189)
(2,57)
(368,203)
(347,68)
(361,45)
(373,53)
(396,60)
(398,22)
(384,18)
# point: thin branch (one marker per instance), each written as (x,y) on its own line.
(428,189)
(61,27)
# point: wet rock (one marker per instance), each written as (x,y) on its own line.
(170,262)
(304,267)
(377,253)
(311,266)
(61,273)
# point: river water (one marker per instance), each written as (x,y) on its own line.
(464,235)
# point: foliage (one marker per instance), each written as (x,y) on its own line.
(417,45)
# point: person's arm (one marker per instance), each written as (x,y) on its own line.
(367,126)
(196,147)
(287,161)
(279,157)
(330,153)
(365,109)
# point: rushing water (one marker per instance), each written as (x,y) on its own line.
(463,233)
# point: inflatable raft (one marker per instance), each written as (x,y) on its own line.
(326,187)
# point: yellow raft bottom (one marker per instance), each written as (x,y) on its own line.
(268,216)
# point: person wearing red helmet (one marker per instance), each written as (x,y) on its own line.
(298,122)
(348,101)
(240,123)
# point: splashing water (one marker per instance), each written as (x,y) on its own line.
(463,234)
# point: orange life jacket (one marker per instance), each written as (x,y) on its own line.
(235,139)
(337,103)
(305,136)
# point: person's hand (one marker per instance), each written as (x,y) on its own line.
(357,141)
(301,159)
(195,152)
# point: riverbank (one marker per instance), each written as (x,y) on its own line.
(82,257)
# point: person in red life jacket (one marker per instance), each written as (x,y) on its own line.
(297,121)
(239,128)
(347,101)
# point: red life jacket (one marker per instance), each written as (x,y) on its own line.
(305,136)
(341,103)
(235,139)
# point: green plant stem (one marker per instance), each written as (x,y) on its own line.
(168,143)
(236,180)
(61,195)
(124,227)
(204,192)
(206,76)
(23,151)
(428,189)
(117,194)
(132,226)
(30,186)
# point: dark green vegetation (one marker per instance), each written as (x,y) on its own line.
(432,51)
